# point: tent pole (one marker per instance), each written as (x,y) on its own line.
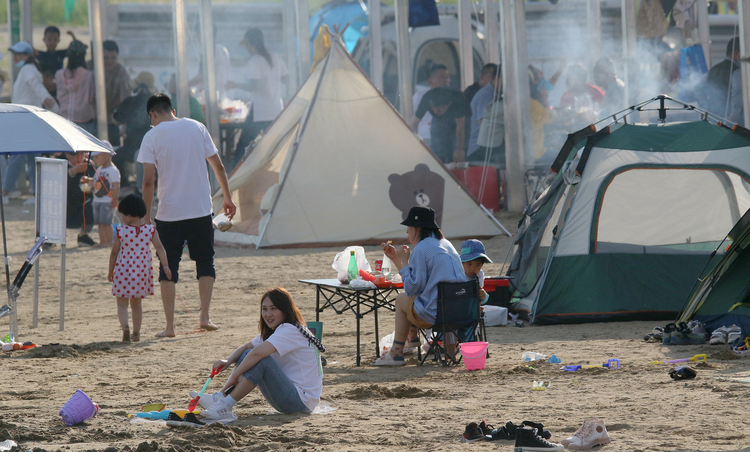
(629,37)
(179,21)
(376,44)
(594,23)
(491,30)
(403,58)
(95,26)
(7,269)
(27,27)
(290,44)
(495,220)
(302,12)
(744,13)
(465,51)
(519,153)
(703,32)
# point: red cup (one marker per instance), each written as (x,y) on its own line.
(378,265)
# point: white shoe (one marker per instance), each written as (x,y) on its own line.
(733,333)
(719,336)
(592,433)
(387,360)
(29,202)
(219,411)
(207,400)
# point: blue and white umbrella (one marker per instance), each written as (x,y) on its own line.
(25,129)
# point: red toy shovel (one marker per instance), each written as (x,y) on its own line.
(194,402)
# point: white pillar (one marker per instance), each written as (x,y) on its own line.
(179,22)
(492,30)
(629,43)
(594,24)
(703,32)
(105,23)
(290,45)
(403,57)
(209,71)
(27,25)
(518,150)
(465,53)
(303,38)
(376,43)
(744,13)
(95,29)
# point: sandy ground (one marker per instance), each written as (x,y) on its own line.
(408,408)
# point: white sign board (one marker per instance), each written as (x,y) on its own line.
(51,199)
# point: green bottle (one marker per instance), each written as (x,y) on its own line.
(353,270)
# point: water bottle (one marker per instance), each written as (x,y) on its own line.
(533,356)
(386,267)
(353,270)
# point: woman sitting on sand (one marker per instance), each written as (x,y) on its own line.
(283,361)
(434,260)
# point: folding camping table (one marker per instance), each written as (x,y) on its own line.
(343,298)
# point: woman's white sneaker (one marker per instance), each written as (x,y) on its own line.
(207,400)
(220,410)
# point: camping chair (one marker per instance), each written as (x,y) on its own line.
(458,320)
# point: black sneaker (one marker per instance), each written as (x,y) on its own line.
(539,428)
(86,240)
(527,440)
(485,428)
(472,433)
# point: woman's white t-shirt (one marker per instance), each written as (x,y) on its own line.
(267,102)
(299,360)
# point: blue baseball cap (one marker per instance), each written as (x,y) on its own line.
(21,47)
(473,249)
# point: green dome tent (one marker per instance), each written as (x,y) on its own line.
(723,296)
(629,220)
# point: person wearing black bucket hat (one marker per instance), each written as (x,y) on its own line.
(433,260)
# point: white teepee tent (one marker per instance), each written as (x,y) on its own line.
(339,165)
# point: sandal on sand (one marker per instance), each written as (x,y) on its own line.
(388,360)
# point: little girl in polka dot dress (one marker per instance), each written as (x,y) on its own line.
(130,269)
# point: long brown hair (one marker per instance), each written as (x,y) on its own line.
(282,299)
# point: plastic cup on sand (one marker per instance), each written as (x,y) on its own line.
(475,354)
(78,408)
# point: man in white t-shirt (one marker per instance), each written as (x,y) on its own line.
(179,148)
(266,72)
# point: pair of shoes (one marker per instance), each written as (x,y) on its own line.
(669,328)
(697,327)
(528,440)
(510,430)
(189,420)
(207,400)
(387,360)
(86,240)
(221,410)
(656,335)
(683,335)
(472,433)
(725,334)
(682,373)
(592,433)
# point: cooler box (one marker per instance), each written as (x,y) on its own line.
(471,178)
(498,288)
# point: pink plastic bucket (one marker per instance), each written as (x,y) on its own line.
(475,354)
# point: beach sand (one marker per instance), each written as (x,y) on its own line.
(408,408)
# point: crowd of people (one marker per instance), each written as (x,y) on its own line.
(469,126)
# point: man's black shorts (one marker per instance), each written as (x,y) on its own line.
(199,235)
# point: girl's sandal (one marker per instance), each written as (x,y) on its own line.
(135,337)
(126,335)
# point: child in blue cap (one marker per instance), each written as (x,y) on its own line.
(473,257)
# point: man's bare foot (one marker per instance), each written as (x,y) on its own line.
(210,326)
(166,333)
(126,335)
(135,337)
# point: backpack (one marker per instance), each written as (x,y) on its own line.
(132,111)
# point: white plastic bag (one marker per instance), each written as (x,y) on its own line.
(386,342)
(495,315)
(341,262)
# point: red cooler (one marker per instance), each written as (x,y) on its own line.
(471,178)
(498,288)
